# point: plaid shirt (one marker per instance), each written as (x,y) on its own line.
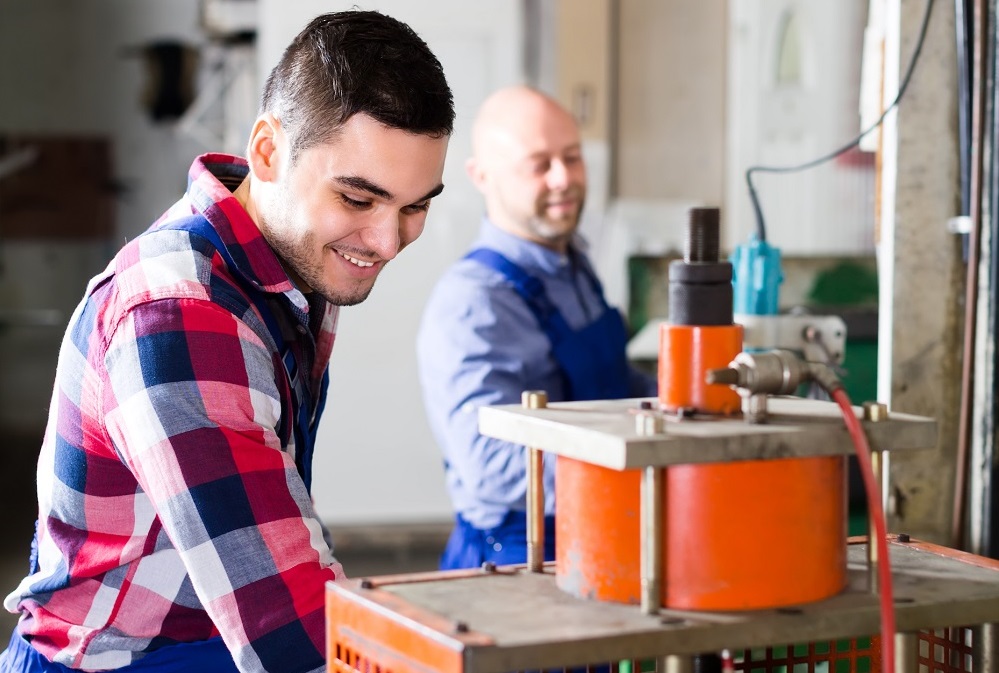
(170,509)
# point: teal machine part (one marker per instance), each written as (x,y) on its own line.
(756,277)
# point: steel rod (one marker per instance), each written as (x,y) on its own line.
(535,399)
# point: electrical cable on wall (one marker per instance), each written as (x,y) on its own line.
(761,231)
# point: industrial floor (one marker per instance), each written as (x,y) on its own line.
(367,551)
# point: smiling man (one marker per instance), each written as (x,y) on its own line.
(522,311)
(176,529)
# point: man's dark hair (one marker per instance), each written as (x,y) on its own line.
(345,63)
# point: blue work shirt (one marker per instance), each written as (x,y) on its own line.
(479,344)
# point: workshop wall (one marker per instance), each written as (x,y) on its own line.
(75,75)
(92,70)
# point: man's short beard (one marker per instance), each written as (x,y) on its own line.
(339,299)
(552,233)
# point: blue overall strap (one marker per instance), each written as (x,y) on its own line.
(303,426)
(584,266)
(531,291)
(592,359)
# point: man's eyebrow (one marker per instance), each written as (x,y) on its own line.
(432,193)
(365,185)
(544,154)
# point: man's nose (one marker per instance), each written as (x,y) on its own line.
(383,235)
(558,175)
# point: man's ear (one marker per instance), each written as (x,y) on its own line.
(475,172)
(266,148)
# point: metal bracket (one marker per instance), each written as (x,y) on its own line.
(820,338)
(960,224)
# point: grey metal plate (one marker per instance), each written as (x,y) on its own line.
(604,433)
(533,624)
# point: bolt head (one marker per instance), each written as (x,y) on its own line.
(875,411)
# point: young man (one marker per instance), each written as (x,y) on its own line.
(522,311)
(176,530)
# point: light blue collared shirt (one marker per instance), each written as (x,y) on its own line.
(479,344)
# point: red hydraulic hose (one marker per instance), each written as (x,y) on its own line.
(877,514)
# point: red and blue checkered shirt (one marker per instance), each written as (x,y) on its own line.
(170,507)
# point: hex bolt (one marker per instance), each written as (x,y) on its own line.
(648,423)
(488,566)
(461,627)
(366,584)
(875,411)
(754,409)
(903,537)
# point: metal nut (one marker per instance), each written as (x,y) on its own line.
(648,423)
(875,411)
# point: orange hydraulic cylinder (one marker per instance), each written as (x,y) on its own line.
(686,353)
(755,534)
(743,535)
(597,529)
(738,536)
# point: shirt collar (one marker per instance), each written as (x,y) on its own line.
(210,184)
(523,253)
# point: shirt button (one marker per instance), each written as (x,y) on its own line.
(490,540)
(497,547)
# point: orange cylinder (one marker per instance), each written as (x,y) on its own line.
(597,531)
(737,536)
(686,353)
(755,534)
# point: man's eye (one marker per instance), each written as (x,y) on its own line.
(417,208)
(353,203)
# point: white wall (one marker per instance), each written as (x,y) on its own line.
(376,461)
(65,69)
(828,209)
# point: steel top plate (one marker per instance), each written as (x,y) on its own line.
(604,432)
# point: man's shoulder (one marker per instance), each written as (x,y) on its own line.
(163,263)
(165,260)
(474,296)
(469,279)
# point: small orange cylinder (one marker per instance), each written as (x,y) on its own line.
(686,353)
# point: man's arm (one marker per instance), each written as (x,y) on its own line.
(480,345)
(192,411)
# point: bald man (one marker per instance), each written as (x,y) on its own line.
(523,310)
